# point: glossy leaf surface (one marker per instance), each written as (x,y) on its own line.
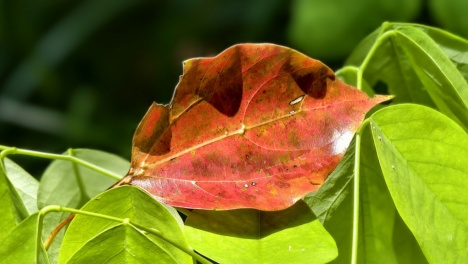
(293,235)
(140,208)
(333,205)
(258,126)
(394,243)
(123,245)
(423,156)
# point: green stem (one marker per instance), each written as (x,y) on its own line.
(126,221)
(3,154)
(378,42)
(356,200)
(383,35)
(67,157)
(40,225)
(346,69)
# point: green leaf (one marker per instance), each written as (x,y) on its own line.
(349,76)
(418,64)
(333,205)
(423,156)
(67,184)
(12,209)
(388,69)
(444,83)
(406,248)
(376,209)
(25,184)
(21,244)
(8,215)
(293,235)
(380,223)
(121,244)
(123,202)
(455,47)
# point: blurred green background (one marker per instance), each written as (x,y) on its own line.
(82,74)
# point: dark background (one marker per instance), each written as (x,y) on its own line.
(81,74)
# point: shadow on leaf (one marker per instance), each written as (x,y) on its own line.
(251,223)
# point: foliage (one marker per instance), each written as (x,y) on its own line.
(397,196)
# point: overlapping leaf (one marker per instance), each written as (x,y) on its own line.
(258,126)
(418,64)
(9,215)
(67,184)
(293,235)
(25,184)
(14,202)
(423,156)
(30,250)
(333,205)
(121,243)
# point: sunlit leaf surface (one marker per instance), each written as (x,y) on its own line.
(258,126)
(423,156)
(88,235)
(293,235)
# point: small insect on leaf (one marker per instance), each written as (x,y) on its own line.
(255,115)
(297,100)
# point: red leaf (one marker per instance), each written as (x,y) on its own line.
(258,126)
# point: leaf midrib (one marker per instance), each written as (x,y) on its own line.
(241,132)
